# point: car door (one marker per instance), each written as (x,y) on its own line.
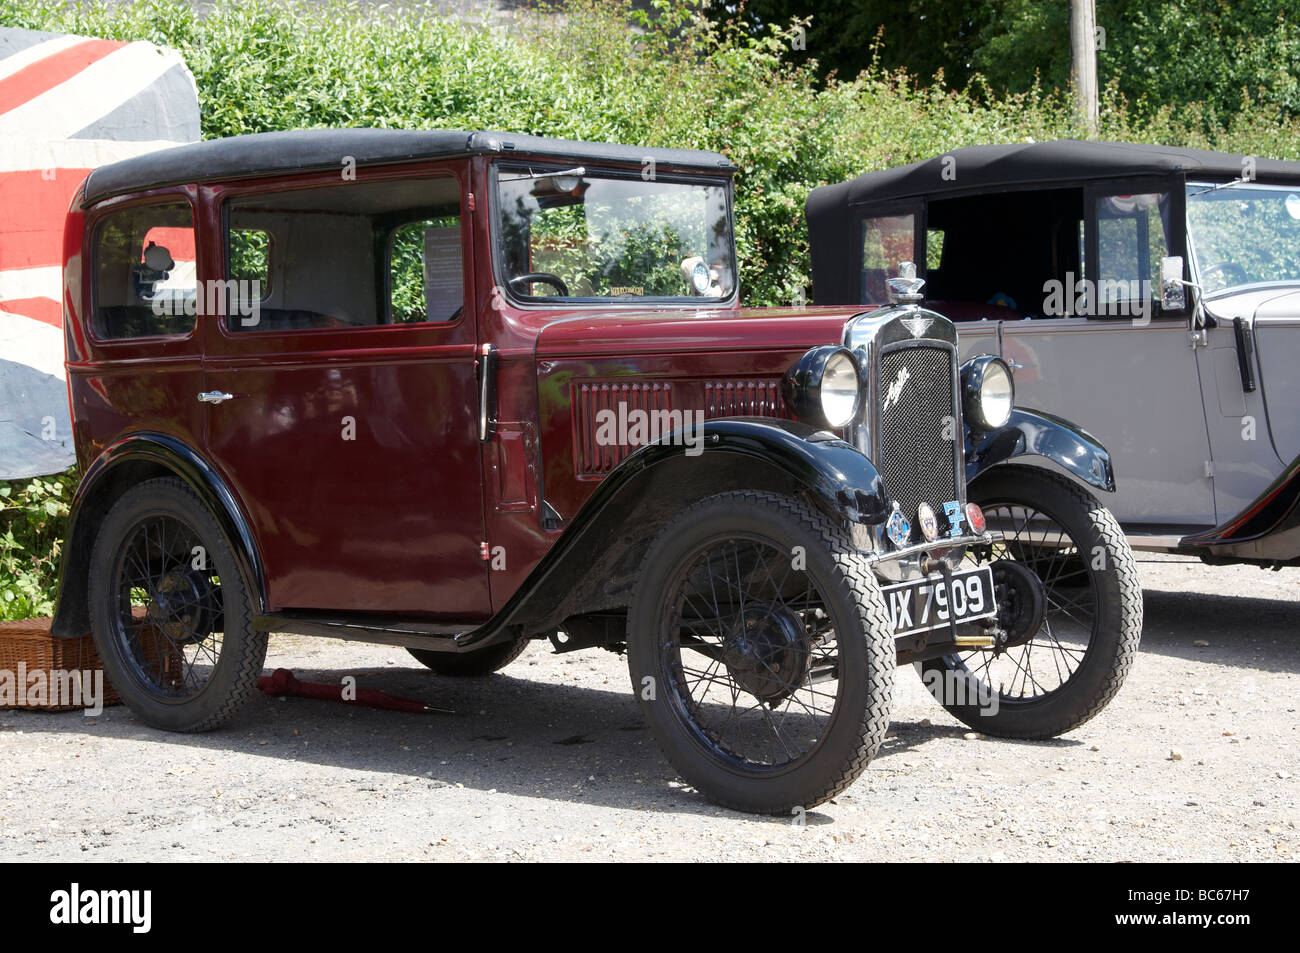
(1120,368)
(1277,337)
(1246,360)
(342,377)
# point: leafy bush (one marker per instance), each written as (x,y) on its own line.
(33,519)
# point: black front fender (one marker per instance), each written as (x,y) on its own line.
(131,460)
(1034,433)
(593,565)
(832,474)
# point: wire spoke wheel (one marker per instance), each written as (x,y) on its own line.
(751,654)
(1039,662)
(168,612)
(1069,607)
(762,652)
(170,609)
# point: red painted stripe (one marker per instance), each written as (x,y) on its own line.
(38,309)
(43,75)
(31,233)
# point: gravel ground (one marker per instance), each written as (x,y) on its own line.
(550,760)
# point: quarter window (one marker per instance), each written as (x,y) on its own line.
(144,273)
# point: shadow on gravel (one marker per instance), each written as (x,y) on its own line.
(508,734)
(907,735)
(1245,631)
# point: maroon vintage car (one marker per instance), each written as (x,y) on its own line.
(455,391)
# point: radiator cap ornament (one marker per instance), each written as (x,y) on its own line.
(906,288)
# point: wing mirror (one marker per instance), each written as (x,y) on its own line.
(1173,290)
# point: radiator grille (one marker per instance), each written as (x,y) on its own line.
(917,453)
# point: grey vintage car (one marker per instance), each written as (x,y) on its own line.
(1152,293)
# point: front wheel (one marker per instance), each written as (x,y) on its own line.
(762,652)
(1069,599)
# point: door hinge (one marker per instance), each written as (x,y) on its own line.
(469,201)
(484,551)
(1209,469)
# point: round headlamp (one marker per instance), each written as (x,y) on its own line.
(823,387)
(989,392)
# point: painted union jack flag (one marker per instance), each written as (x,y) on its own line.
(67,105)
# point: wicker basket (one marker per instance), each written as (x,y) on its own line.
(29,642)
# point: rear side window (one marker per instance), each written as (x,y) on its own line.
(145,283)
(353,255)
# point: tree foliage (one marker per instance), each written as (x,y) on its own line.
(1171,53)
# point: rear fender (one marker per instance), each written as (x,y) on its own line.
(122,465)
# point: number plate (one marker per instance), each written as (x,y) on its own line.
(922,605)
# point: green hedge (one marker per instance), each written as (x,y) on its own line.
(599,71)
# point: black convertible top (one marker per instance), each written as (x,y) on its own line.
(1063,160)
(833,211)
(274,153)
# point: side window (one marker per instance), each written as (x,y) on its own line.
(1131,240)
(425,281)
(886,241)
(145,282)
(933,249)
(353,255)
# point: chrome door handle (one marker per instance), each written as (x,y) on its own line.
(214,396)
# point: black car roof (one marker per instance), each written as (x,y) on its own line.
(272,153)
(1062,160)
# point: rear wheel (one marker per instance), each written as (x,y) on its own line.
(762,652)
(471,664)
(1069,596)
(169,611)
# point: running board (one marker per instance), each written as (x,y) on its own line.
(1162,539)
(412,635)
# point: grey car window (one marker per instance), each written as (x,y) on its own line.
(1131,240)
